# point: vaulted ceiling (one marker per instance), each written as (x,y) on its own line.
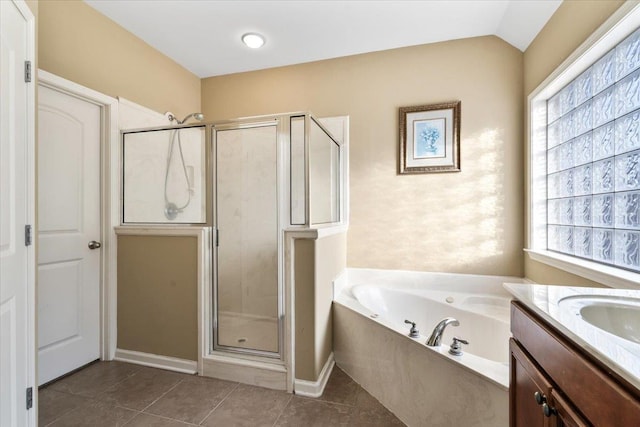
(204,35)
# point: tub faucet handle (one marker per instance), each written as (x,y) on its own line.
(456,347)
(413,332)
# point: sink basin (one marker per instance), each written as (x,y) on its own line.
(619,316)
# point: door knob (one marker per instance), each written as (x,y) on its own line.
(94,245)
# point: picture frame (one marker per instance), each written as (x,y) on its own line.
(430,138)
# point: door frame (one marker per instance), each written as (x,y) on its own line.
(30,184)
(109,201)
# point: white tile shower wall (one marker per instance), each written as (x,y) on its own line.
(145,166)
(298,187)
(319,169)
(248,223)
(135,116)
(323,169)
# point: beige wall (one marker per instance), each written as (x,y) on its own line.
(468,222)
(317,263)
(84,46)
(331,260)
(157,295)
(304,276)
(80,44)
(568,28)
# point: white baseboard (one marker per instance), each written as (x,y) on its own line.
(157,361)
(315,388)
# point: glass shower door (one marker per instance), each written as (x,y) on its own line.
(246,300)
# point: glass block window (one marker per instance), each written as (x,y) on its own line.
(593,161)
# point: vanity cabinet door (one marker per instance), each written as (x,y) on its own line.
(564,413)
(528,391)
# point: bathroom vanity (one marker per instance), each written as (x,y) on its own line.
(565,371)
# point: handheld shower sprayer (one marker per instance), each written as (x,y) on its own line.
(171,210)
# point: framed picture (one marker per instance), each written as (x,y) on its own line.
(430,138)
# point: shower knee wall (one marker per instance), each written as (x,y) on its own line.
(317,262)
(157,295)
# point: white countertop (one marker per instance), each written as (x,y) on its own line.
(620,355)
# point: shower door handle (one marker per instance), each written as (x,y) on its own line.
(94,245)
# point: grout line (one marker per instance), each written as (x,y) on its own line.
(117,383)
(66,412)
(283,409)
(100,398)
(62,415)
(161,396)
(317,399)
(114,385)
(219,403)
(159,416)
(132,418)
(102,392)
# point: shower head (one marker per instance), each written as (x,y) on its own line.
(198,116)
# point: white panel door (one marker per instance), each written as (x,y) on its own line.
(15,210)
(68,220)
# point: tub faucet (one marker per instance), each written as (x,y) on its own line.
(436,335)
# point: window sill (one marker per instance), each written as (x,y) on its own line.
(606,275)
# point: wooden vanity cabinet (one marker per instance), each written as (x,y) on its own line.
(564,413)
(526,381)
(554,383)
(530,391)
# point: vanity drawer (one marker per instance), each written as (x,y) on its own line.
(597,393)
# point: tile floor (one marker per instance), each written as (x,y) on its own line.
(119,394)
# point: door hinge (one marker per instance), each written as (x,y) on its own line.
(28,237)
(27,71)
(30,398)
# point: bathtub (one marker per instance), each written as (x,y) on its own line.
(426,385)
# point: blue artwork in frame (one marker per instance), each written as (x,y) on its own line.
(430,138)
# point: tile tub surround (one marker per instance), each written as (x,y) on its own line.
(479,302)
(119,394)
(617,354)
(416,383)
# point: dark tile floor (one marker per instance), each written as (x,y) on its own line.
(118,394)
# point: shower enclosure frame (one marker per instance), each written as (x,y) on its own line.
(270,369)
(281,167)
(274,370)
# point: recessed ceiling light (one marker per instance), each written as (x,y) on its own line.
(253,40)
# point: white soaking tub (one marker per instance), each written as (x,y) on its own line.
(426,385)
